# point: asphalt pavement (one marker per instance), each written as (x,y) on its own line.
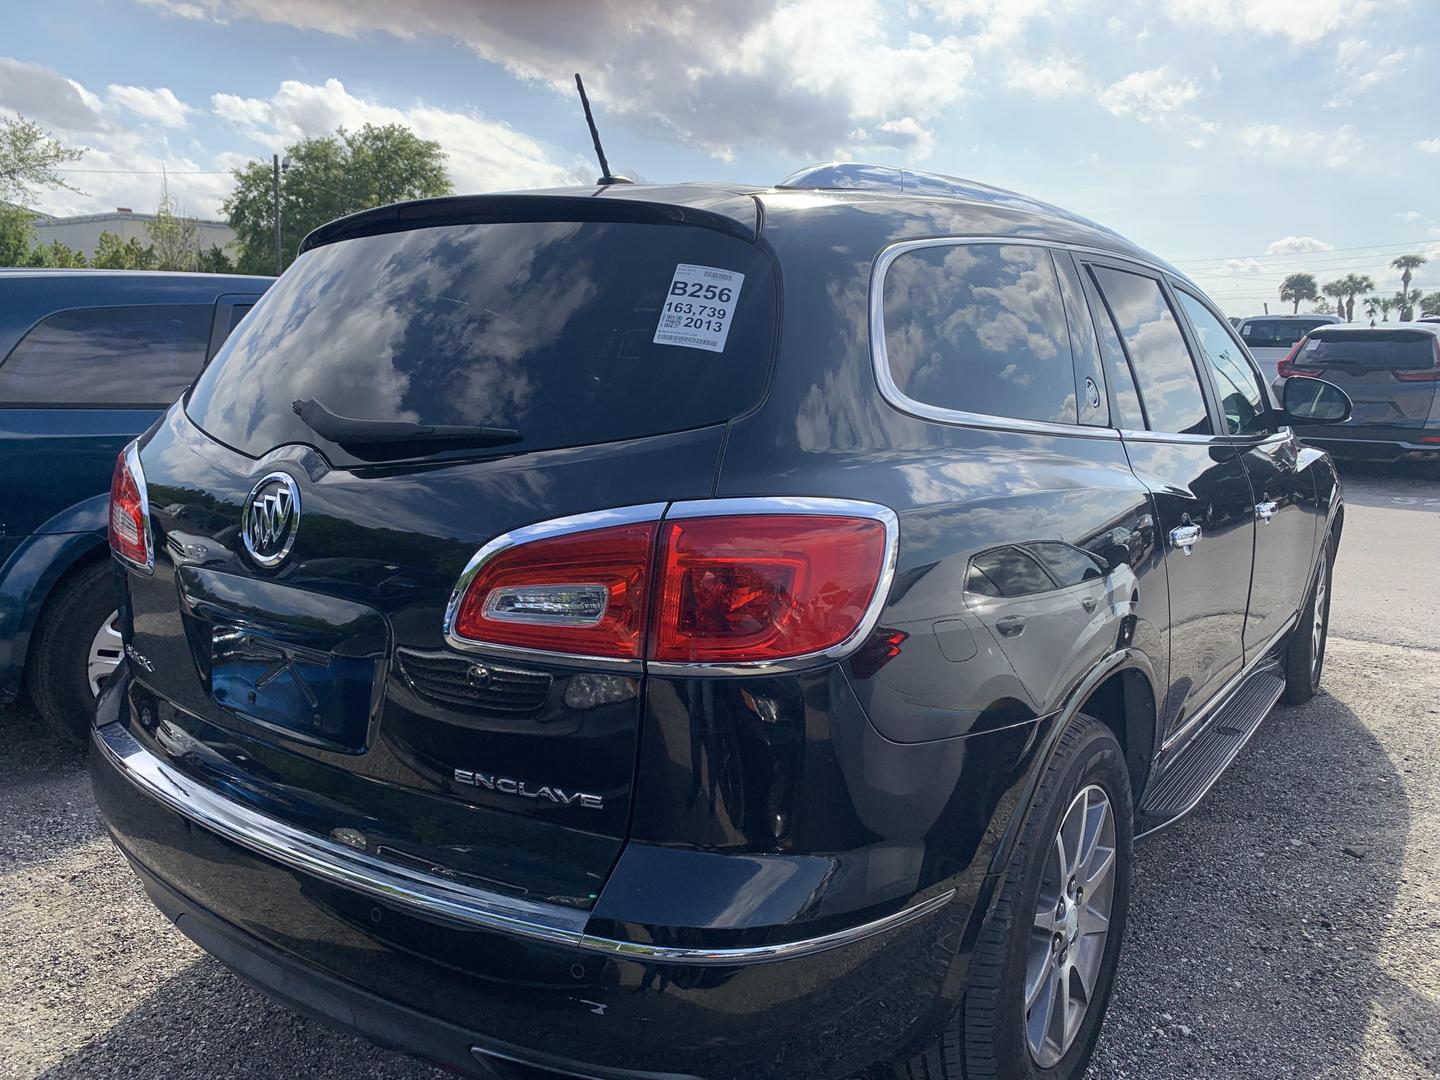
(1289,927)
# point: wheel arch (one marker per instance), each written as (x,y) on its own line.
(31,577)
(1119,692)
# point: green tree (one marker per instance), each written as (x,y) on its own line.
(1387,305)
(1336,291)
(1429,304)
(56,256)
(112,253)
(1322,306)
(1372,306)
(174,238)
(1407,264)
(30,158)
(1298,287)
(17,235)
(327,178)
(1349,287)
(215,261)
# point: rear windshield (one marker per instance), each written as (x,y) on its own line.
(572,333)
(1277,333)
(1371,350)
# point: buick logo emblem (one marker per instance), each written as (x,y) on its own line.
(270,519)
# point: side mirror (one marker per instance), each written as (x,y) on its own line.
(1315,401)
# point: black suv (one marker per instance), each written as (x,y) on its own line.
(704,631)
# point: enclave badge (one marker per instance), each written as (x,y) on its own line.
(508,785)
(270,518)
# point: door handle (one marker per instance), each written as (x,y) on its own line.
(1089,604)
(1266,510)
(1185,537)
(1011,626)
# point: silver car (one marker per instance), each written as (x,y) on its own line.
(1392,374)
(1270,337)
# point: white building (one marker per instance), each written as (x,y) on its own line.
(82,232)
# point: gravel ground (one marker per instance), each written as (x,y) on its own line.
(1290,927)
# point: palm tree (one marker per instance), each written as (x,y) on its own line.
(1430,303)
(1298,287)
(1372,307)
(1352,285)
(1336,289)
(1407,263)
(1387,305)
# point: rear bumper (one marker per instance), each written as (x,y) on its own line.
(474,980)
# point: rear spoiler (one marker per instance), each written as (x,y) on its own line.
(492,209)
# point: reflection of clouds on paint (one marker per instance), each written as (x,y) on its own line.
(980,328)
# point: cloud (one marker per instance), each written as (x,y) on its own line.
(1297,245)
(799,76)
(1301,21)
(159,106)
(1049,74)
(1429,146)
(1145,94)
(1242,267)
(1298,146)
(1409,215)
(46,96)
(991,22)
(483,154)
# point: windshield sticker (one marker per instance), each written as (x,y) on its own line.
(699,307)
(1313,343)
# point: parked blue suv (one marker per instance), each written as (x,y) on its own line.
(90,359)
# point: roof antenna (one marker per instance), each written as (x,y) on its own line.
(606,177)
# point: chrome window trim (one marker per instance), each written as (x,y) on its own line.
(430,895)
(793,504)
(544,530)
(892,393)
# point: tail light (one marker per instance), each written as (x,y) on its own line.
(129,528)
(1287,367)
(1430,374)
(726,582)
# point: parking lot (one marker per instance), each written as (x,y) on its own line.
(1289,927)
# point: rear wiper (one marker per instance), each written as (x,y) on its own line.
(346,430)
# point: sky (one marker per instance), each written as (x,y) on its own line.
(1239,139)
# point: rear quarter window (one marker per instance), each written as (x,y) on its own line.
(143,354)
(980,328)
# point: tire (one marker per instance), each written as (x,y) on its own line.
(58,669)
(990,1037)
(1305,654)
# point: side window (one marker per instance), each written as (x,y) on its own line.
(1007,571)
(980,328)
(1130,416)
(143,355)
(1069,565)
(1242,401)
(236,314)
(1089,372)
(1169,384)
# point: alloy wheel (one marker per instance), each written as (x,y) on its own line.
(1072,924)
(1317,628)
(106,648)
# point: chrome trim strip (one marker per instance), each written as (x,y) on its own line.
(794,504)
(599,519)
(1229,760)
(429,895)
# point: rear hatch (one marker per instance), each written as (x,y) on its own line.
(322,689)
(1269,340)
(1390,375)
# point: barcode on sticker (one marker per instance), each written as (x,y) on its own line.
(699,307)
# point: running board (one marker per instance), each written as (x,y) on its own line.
(1188,779)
